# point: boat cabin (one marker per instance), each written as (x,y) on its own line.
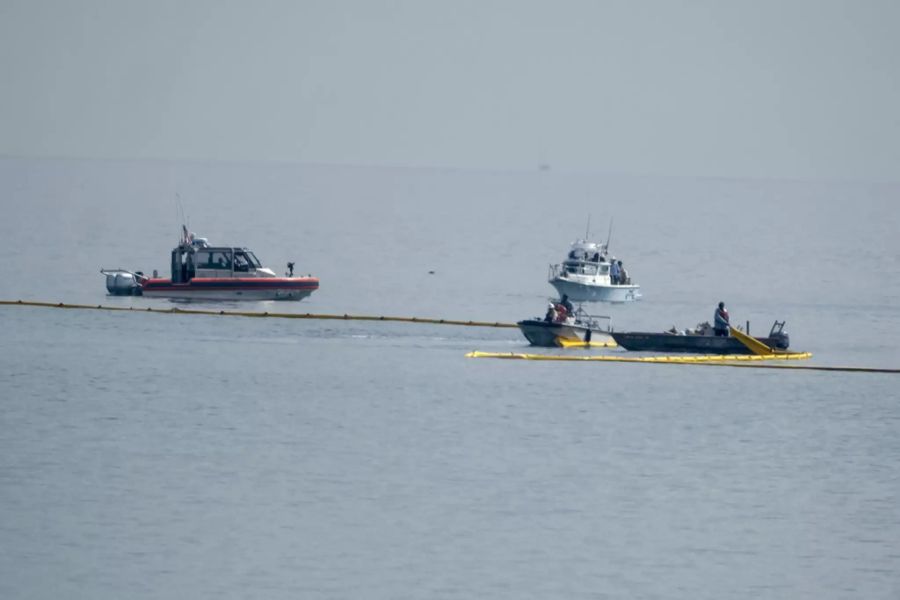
(586,268)
(198,259)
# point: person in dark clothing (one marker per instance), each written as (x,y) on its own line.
(614,272)
(720,318)
(565,302)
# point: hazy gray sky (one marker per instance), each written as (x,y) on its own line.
(764,88)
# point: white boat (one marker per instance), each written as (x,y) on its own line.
(584,275)
(203,272)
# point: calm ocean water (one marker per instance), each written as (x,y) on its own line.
(165,456)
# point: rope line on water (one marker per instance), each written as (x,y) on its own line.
(749,360)
(231,313)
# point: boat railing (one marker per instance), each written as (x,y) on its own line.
(592,321)
(566,269)
(587,268)
(777,328)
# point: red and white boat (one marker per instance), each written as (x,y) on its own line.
(204,272)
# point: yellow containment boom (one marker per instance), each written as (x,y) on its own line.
(752,361)
(233,313)
(671,358)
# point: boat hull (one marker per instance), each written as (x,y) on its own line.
(548,335)
(236,288)
(582,292)
(698,344)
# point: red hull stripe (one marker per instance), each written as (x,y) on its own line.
(242,283)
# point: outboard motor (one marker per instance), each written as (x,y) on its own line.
(122,283)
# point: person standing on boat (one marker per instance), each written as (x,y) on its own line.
(614,272)
(566,304)
(721,321)
(623,274)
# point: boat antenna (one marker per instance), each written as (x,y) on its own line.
(185,222)
(587,230)
(179,208)
(609,234)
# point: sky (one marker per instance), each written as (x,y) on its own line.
(802,89)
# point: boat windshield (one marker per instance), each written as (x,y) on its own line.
(254,262)
(244,260)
